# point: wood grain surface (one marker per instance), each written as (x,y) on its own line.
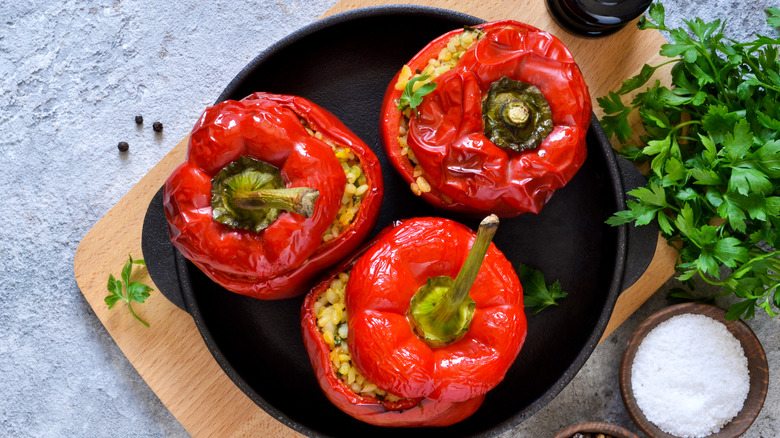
(171,355)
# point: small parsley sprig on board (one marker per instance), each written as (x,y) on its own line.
(127,291)
(713,142)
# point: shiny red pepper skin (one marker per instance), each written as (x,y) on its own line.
(382,343)
(417,412)
(283,260)
(467,172)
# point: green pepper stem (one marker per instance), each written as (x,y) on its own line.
(441,311)
(299,200)
(250,194)
(468,272)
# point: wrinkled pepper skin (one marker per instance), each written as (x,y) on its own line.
(466,171)
(282,260)
(383,345)
(442,385)
(417,412)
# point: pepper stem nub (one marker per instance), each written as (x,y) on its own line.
(299,200)
(249,194)
(516,115)
(441,311)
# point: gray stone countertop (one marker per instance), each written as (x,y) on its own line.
(74,74)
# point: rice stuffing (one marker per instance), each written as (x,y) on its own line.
(447,59)
(331,313)
(354,191)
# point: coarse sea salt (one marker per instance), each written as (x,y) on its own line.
(690,376)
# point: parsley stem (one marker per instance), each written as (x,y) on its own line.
(775,265)
(681,125)
(712,282)
(746,267)
(756,70)
(134,314)
(718,83)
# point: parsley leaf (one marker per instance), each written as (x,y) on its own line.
(774,16)
(637,81)
(536,292)
(413,98)
(126,290)
(712,139)
(616,120)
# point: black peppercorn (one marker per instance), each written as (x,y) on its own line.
(123,146)
(157,126)
(139,120)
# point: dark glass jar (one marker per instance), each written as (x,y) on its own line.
(595,17)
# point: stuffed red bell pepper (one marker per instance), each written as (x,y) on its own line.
(488,119)
(416,328)
(275,189)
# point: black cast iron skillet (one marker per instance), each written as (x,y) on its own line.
(344,64)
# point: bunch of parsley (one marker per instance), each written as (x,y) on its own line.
(712,139)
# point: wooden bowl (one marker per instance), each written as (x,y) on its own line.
(596,427)
(757,366)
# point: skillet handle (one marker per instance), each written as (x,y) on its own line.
(642,240)
(162,259)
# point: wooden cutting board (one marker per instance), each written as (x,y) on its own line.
(171,355)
